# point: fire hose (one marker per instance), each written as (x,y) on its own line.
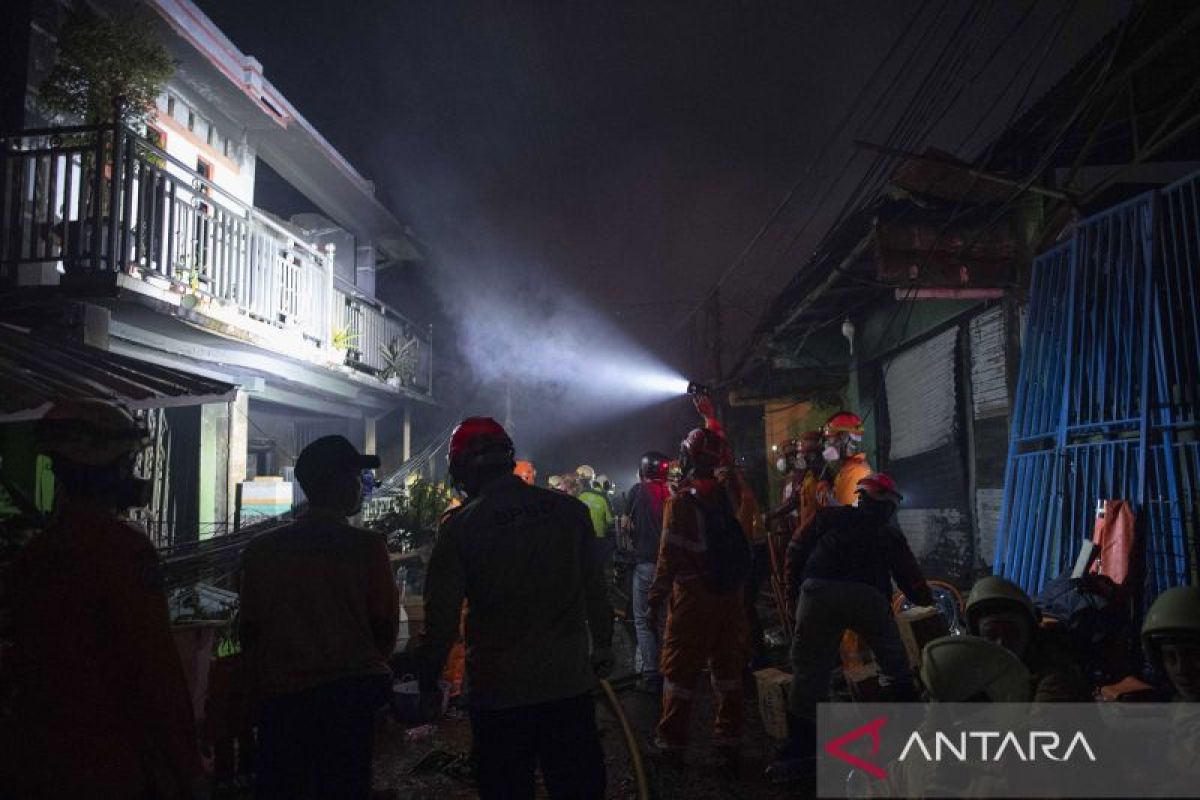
(635,752)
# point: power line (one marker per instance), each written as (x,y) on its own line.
(791,192)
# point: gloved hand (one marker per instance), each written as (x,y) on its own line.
(704,405)
(602,662)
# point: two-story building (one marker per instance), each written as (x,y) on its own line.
(148,244)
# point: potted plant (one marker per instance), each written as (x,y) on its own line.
(399,361)
(342,343)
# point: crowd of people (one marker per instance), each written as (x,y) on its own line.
(521,573)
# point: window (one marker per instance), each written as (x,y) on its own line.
(171,105)
(211,138)
(156,137)
(191,120)
(225,146)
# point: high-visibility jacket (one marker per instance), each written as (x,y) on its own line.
(600,511)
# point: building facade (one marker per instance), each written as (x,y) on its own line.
(148,243)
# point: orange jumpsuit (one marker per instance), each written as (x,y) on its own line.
(103,708)
(845,483)
(704,629)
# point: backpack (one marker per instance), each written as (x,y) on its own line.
(1094,620)
(728,554)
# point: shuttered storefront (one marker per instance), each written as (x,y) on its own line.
(927,456)
(948,435)
(988,336)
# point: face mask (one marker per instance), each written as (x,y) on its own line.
(782,465)
(831,453)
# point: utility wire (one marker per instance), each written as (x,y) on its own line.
(791,192)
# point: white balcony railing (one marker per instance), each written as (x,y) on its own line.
(88,200)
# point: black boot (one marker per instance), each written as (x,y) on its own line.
(797,758)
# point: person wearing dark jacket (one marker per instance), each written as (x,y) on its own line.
(846,566)
(645,506)
(319,617)
(538,625)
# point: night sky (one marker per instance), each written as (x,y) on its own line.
(597,166)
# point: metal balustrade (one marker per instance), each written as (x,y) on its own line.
(81,200)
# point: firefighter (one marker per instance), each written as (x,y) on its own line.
(845,463)
(844,569)
(604,521)
(801,463)
(1171,638)
(102,704)
(319,617)
(526,472)
(1000,612)
(538,622)
(645,503)
(703,562)
(965,670)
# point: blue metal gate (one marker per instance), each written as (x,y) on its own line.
(1106,403)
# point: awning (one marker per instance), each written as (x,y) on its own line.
(36,370)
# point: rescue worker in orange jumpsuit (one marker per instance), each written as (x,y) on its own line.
(845,463)
(102,706)
(803,464)
(705,617)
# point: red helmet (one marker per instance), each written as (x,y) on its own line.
(479,441)
(844,422)
(704,449)
(880,486)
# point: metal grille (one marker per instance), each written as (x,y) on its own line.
(1106,397)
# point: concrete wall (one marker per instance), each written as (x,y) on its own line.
(230,157)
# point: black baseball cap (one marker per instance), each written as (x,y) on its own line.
(331,456)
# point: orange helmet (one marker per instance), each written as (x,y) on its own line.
(844,422)
(526,472)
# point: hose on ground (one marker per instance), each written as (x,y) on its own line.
(635,752)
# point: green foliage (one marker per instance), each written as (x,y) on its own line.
(399,360)
(413,519)
(102,61)
(343,339)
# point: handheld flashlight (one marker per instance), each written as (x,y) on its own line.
(698,389)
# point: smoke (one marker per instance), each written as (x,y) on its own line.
(541,336)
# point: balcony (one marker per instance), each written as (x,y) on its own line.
(86,207)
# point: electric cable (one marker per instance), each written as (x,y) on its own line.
(787,198)
(631,742)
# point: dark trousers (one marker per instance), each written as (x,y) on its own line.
(559,736)
(759,568)
(318,743)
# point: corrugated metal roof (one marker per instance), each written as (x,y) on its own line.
(36,370)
